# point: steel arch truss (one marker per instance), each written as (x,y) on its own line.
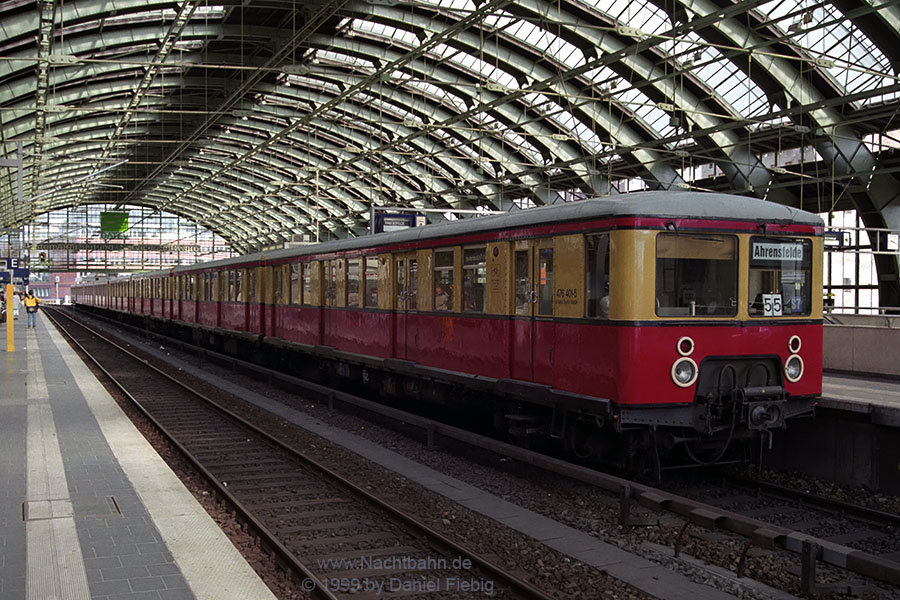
(266,120)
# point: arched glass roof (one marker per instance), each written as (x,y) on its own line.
(264,120)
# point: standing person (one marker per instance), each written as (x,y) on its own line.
(31,307)
(17,303)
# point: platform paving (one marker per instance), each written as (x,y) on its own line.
(88,510)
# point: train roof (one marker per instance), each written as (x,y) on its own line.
(662,204)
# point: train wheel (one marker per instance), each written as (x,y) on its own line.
(706,452)
(581,442)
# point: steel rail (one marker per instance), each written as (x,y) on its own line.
(283,556)
(854,511)
(762,534)
(519,585)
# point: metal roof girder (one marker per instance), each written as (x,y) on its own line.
(298,157)
(459,165)
(472,41)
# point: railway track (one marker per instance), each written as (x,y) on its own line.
(337,539)
(827,519)
(879,563)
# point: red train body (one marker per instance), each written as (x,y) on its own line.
(675,318)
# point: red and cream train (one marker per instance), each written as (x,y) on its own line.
(659,320)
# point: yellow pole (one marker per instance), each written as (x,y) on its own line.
(10,345)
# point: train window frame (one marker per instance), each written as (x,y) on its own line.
(306,293)
(546,274)
(769,263)
(332,275)
(442,279)
(370,277)
(353,272)
(251,283)
(278,285)
(294,284)
(474,273)
(598,282)
(676,295)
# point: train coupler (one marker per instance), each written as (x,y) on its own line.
(764,407)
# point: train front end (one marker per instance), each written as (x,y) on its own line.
(727,336)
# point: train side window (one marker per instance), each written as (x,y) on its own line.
(522,283)
(413,297)
(331,287)
(371,278)
(545,281)
(474,276)
(221,286)
(252,278)
(239,284)
(598,276)
(353,282)
(277,284)
(402,292)
(295,290)
(443,280)
(307,283)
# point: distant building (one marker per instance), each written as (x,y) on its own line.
(56,289)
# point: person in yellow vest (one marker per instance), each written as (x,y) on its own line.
(31,307)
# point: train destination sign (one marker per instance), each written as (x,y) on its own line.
(765,251)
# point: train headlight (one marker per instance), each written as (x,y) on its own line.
(685,346)
(684,371)
(794,344)
(793,368)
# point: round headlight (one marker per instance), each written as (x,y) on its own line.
(794,344)
(684,372)
(793,368)
(685,346)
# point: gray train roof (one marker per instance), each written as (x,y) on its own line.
(674,205)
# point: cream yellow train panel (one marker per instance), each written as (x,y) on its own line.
(569,279)
(498,299)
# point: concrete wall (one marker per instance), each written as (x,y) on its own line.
(863,348)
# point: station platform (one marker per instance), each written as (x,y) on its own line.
(875,396)
(87,508)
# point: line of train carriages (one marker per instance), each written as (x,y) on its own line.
(656,326)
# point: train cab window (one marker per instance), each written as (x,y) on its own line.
(780,277)
(598,276)
(545,281)
(370,298)
(443,280)
(696,275)
(474,276)
(353,282)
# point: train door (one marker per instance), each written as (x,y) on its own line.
(533,334)
(406,274)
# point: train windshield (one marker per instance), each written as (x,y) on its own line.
(696,275)
(780,277)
